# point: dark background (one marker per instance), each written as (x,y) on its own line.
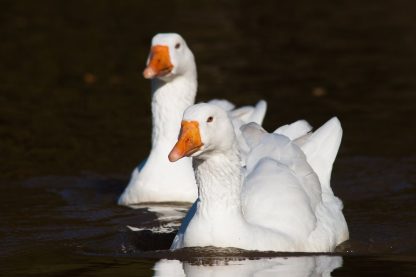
(72,98)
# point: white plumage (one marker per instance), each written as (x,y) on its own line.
(171,66)
(281,200)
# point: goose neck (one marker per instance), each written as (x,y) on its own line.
(219,180)
(169,101)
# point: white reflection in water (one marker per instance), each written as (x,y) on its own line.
(168,217)
(282,266)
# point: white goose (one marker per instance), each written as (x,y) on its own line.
(276,203)
(172,69)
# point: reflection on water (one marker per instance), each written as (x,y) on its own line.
(282,266)
(56,218)
(169,216)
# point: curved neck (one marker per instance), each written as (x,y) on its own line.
(219,180)
(169,101)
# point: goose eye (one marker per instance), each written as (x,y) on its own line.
(177,45)
(210,119)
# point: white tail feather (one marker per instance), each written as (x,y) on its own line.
(251,114)
(294,130)
(321,148)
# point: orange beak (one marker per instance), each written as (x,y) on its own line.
(189,141)
(159,62)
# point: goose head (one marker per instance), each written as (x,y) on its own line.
(169,57)
(205,130)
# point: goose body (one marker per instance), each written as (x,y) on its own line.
(172,70)
(280,201)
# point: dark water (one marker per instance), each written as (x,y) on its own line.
(75,120)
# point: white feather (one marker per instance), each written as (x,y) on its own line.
(276,202)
